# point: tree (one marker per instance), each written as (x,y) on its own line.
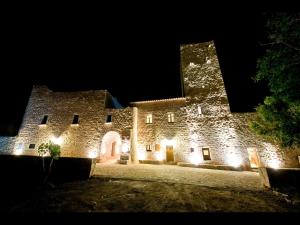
(53,150)
(278,118)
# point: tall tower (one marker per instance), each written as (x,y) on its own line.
(202,79)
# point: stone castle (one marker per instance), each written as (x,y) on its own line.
(197,129)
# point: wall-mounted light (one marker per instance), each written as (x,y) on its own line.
(166,142)
(274,163)
(234,160)
(195,158)
(92,154)
(57,140)
(19,150)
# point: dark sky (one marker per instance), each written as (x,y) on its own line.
(134,55)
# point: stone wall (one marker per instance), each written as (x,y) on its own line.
(203,120)
(7,144)
(160,131)
(77,140)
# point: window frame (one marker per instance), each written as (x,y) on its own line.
(74,120)
(31,148)
(171,117)
(206,157)
(149,118)
(44,120)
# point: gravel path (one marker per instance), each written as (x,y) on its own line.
(184,175)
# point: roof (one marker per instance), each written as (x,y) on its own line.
(159,100)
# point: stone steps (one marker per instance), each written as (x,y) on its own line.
(123,159)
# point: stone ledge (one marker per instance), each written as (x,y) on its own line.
(210,166)
(151,162)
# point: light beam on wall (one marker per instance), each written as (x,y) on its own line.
(93,154)
(57,140)
(234,160)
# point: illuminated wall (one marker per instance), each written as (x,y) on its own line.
(202,120)
(76,140)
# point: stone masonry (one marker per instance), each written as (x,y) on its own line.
(197,128)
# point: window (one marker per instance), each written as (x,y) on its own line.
(157,147)
(109,119)
(192,149)
(148,148)
(199,110)
(45,118)
(206,153)
(75,119)
(170,117)
(32,146)
(149,118)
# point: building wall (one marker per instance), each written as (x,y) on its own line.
(7,144)
(160,131)
(77,140)
(203,120)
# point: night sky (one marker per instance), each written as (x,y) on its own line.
(134,55)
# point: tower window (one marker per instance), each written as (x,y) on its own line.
(109,119)
(199,110)
(149,118)
(192,149)
(206,153)
(45,119)
(170,117)
(75,119)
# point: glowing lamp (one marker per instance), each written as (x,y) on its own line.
(18,151)
(159,156)
(57,140)
(92,154)
(195,158)
(141,155)
(274,163)
(234,161)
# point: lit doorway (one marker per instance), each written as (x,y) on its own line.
(253,157)
(169,153)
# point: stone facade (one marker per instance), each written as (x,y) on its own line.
(198,128)
(77,140)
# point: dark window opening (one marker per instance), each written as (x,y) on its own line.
(32,146)
(44,121)
(206,153)
(109,119)
(192,149)
(148,148)
(75,119)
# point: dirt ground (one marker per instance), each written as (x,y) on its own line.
(123,195)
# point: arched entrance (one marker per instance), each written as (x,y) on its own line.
(110,146)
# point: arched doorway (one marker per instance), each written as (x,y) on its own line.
(110,146)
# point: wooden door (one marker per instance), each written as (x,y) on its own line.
(170,153)
(113,149)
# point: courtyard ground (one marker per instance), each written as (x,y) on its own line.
(153,188)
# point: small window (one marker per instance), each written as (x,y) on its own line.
(149,118)
(157,147)
(170,117)
(206,153)
(75,119)
(199,110)
(45,119)
(109,119)
(192,149)
(148,148)
(31,146)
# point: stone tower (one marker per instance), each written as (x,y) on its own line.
(202,79)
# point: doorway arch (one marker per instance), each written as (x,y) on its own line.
(110,146)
